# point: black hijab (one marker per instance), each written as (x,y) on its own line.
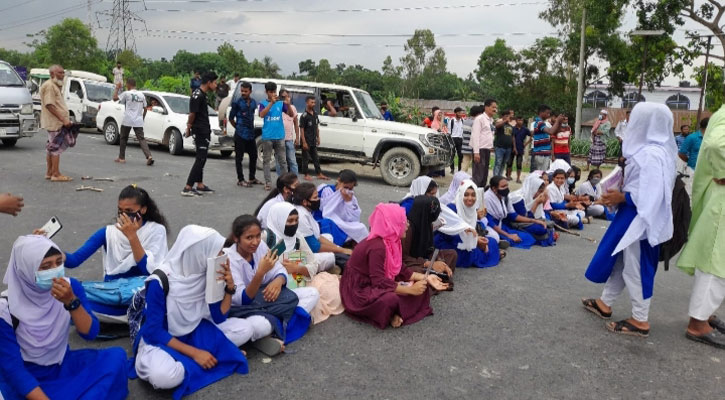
(423,213)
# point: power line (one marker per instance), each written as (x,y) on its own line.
(353,35)
(24,3)
(42,17)
(120,34)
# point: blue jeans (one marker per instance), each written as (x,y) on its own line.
(291,157)
(503,155)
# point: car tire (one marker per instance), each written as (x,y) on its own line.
(10,142)
(226,153)
(176,143)
(111,132)
(399,166)
(260,159)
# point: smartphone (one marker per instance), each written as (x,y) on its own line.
(52,227)
(278,248)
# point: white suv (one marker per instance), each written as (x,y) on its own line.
(359,133)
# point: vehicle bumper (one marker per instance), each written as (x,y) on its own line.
(439,150)
(221,142)
(13,126)
(88,119)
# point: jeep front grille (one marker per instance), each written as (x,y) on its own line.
(443,144)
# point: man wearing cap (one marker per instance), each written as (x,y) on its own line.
(600,130)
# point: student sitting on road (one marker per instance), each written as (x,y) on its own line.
(179,346)
(418,243)
(592,189)
(450,196)
(132,249)
(35,320)
(285,186)
(307,202)
(421,186)
(561,200)
(517,229)
(340,211)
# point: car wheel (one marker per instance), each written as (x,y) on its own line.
(399,166)
(260,159)
(176,143)
(226,153)
(9,142)
(111,133)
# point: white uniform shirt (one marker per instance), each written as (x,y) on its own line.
(135,103)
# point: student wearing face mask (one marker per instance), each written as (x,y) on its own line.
(285,186)
(307,202)
(502,216)
(132,248)
(340,208)
(560,199)
(35,320)
(592,190)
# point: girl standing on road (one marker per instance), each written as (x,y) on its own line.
(35,319)
(132,248)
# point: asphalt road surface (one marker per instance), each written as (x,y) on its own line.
(514,331)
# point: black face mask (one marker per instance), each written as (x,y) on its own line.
(290,230)
(314,205)
(503,192)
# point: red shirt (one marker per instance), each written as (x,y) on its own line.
(561,142)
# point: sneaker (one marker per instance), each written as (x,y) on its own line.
(205,189)
(190,193)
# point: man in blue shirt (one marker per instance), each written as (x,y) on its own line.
(684,132)
(242,117)
(691,146)
(387,115)
(273,133)
(195,82)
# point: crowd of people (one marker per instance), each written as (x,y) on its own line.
(305,255)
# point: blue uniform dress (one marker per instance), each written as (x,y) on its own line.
(407,204)
(468,258)
(134,277)
(327,225)
(206,337)
(83,374)
(544,236)
(527,240)
(603,261)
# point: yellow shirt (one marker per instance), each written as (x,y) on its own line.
(50,93)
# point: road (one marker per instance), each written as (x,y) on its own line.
(514,331)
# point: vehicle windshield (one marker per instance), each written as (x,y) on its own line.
(180,105)
(99,92)
(368,107)
(8,76)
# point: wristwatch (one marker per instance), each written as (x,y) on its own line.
(230,291)
(73,305)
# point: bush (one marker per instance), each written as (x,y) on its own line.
(613,148)
(580,147)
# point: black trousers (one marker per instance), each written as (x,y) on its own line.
(201,141)
(242,146)
(458,142)
(480,170)
(310,153)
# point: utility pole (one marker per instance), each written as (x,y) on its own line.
(580,78)
(120,33)
(704,82)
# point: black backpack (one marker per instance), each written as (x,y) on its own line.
(681,216)
(136,311)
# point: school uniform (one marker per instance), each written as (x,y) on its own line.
(558,202)
(342,217)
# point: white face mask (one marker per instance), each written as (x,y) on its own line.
(570,181)
(44,279)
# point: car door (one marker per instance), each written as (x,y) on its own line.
(154,122)
(342,132)
(74,98)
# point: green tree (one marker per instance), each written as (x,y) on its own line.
(71,45)
(497,71)
(233,61)
(422,62)
(715,89)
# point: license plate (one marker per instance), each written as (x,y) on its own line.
(2,131)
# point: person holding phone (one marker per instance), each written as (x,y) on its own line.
(273,132)
(35,320)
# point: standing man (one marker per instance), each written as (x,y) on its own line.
(621,128)
(291,134)
(310,134)
(233,82)
(541,154)
(456,129)
(53,117)
(684,133)
(522,135)
(273,133)
(242,117)
(133,117)
(704,253)
(387,115)
(198,126)
(195,82)
(503,144)
(118,74)
(690,149)
(222,91)
(482,142)
(628,254)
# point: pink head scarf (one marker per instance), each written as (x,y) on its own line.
(438,124)
(388,222)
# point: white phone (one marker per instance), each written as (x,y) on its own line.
(52,227)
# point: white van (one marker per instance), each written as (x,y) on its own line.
(16,107)
(358,133)
(83,92)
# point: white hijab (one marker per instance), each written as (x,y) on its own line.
(43,330)
(276,221)
(558,164)
(649,177)
(118,256)
(497,208)
(308,224)
(185,266)
(418,187)
(532,183)
(450,196)
(469,215)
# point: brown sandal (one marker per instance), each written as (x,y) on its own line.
(61,178)
(592,306)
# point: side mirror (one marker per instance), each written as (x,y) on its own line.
(32,86)
(158,109)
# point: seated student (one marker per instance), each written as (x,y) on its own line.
(307,201)
(340,210)
(132,249)
(502,217)
(418,243)
(262,297)
(450,196)
(470,242)
(179,346)
(537,206)
(376,288)
(321,294)
(286,184)
(422,185)
(35,319)
(561,200)
(592,189)
(575,173)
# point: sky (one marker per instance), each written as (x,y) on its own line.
(307,29)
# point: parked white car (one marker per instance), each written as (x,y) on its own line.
(16,107)
(164,124)
(358,133)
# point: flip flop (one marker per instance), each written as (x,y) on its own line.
(631,330)
(61,178)
(267,187)
(150,161)
(714,338)
(592,306)
(268,346)
(256,182)
(717,323)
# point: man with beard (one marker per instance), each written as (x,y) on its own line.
(54,116)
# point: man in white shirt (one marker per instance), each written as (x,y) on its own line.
(118,74)
(233,82)
(133,117)
(482,142)
(621,128)
(456,130)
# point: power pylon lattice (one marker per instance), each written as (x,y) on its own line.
(120,32)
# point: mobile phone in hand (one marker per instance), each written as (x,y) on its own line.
(52,227)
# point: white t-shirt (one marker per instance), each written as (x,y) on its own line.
(135,103)
(117,75)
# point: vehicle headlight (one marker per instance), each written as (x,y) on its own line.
(26,109)
(423,139)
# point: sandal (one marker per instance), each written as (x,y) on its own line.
(268,345)
(592,306)
(255,182)
(631,330)
(244,184)
(61,178)
(714,338)
(149,161)
(120,161)
(267,187)
(717,323)
(501,254)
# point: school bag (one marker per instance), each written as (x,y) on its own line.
(136,311)
(681,216)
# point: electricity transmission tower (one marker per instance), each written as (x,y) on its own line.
(120,32)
